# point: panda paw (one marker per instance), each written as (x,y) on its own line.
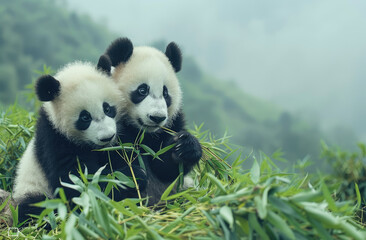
(187,148)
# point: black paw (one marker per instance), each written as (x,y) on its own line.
(187,148)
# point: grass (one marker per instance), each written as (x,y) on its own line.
(226,201)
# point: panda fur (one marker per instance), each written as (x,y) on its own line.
(80,112)
(147,77)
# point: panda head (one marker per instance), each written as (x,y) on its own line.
(147,77)
(82,103)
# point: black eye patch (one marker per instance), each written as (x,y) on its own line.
(109,110)
(167,97)
(140,93)
(83,121)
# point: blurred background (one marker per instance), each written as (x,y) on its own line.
(271,74)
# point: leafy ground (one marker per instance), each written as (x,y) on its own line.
(226,202)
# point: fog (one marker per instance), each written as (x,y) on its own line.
(308,57)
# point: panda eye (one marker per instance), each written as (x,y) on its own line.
(165,92)
(85,116)
(143,89)
(109,110)
(106,108)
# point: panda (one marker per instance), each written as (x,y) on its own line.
(80,112)
(147,77)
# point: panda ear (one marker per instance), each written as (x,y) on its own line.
(175,56)
(105,64)
(47,88)
(120,51)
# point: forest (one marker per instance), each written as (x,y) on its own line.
(265,174)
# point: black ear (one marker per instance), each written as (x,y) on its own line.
(47,88)
(105,64)
(120,51)
(175,56)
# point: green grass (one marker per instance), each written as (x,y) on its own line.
(16,129)
(226,202)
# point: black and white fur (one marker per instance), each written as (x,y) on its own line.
(79,114)
(154,100)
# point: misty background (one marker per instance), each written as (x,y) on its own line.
(308,57)
(273,75)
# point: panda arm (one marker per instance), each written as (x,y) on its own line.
(56,155)
(187,150)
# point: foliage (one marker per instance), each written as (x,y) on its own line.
(348,173)
(16,129)
(225,202)
(35,32)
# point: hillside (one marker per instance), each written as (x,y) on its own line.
(40,32)
(35,33)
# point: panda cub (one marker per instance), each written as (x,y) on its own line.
(154,98)
(79,114)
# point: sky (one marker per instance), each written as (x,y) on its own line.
(309,57)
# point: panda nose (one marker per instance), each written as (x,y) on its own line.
(107,139)
(157,119)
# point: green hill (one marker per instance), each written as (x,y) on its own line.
(35,33)
(38,32)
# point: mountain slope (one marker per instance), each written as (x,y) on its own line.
(38,32)
(34,33)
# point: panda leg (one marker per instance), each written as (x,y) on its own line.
(25,206)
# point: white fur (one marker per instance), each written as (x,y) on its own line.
(150,66)
(84,88)
(101,129)
(30,176)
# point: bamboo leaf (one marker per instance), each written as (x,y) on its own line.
(358,196)
(216,182)
(124,179)
(227,214)
(306,196)
(280,224)
(62,211)
(72,186)
(96,175)
(100,213)
(227,232)
(77,181)
(141,161)
(2,206)
(164,196)
(261,207)
(253,222)
(132,205)
(255,172)
(148,150)
(153,234)
(177,195)
(50,203)
(87,232)
(165,149)
(328,197)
